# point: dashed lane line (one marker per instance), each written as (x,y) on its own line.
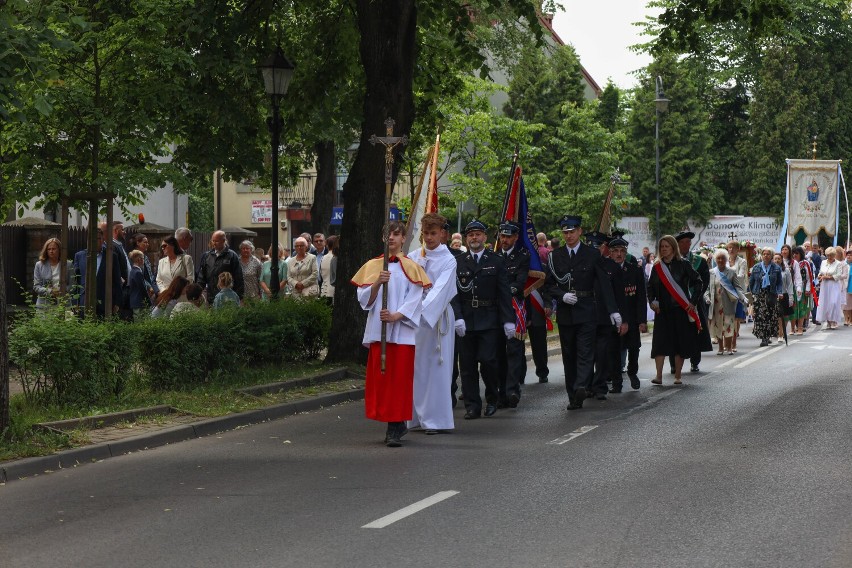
(410,510)
(573,435)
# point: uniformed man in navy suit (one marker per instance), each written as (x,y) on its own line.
(636,312)
(483,311)
(607,340)
(513,358)
(573,271)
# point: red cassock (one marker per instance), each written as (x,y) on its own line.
(388,396)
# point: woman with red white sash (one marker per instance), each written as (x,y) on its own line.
(674,290)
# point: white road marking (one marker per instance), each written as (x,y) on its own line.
(410,510)
(747,362)
(575,434)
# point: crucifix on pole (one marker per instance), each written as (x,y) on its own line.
(389,141)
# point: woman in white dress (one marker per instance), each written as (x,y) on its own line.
(830,274)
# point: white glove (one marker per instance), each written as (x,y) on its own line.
(460,327)
(509,330)
(570,298)
(615,318)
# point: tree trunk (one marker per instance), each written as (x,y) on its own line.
(324,188)
(5,418)
(388,32)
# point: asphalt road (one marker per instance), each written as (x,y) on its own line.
(748,464)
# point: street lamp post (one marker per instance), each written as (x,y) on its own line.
(661,104)
(277,74)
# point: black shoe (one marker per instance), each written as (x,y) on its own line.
(490,409)
(471,415)
(580,396)
(764,343)
(693,369)
(402,430)
(393,441)
(615,390)
(542,379)
(513,401)
(634,382)
(574,405)
(522,381)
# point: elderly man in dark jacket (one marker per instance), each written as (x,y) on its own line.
(214,262)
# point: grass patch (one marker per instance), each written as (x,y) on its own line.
(207,400)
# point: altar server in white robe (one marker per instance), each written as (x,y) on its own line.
(435,339)
(388,392)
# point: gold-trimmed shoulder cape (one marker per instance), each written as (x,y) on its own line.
(369,273)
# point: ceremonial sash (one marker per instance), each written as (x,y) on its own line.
(811,280)
(676,292)
(727,285)
(520,318)
(537,303)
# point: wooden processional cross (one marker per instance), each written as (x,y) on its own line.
(389,141)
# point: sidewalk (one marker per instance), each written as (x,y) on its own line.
(179,427)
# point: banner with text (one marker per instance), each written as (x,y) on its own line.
(763,231)
(812,200)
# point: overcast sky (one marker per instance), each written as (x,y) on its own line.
(601,31)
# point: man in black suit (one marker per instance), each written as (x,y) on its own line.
(79,266)
(636,312)
(483,311)
(684,244)
(573,271)
(607,335)
(512,357)
(537,330)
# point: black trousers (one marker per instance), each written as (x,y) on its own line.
(478,351)
(630,344)
(577,342)
(607,357)
(512,364)
(538,344)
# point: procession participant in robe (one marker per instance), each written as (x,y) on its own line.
(674,291)
(636,312)
(435,339)
(456,252)
(512,356)
(803,282)
(573,271)
(388,394)
(831,293)
(483,311)
(740,266)
(684,244)
(723,293)
(766,287)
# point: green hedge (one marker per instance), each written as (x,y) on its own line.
(64,360)
(68,361)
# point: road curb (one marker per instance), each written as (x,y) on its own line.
(29,467)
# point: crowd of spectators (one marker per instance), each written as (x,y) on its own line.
(221,278)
